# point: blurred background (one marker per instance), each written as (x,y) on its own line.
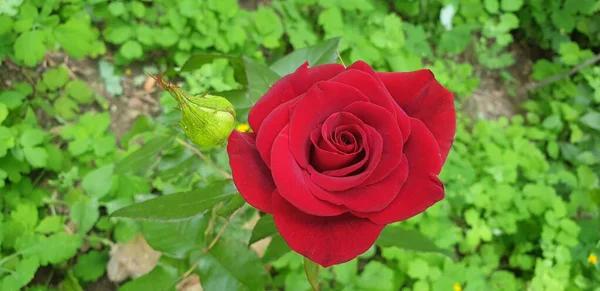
(522,181)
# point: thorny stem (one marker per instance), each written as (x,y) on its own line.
(203,157)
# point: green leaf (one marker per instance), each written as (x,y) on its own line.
(195,62)
(118,33)
(23,274)
(229,266)
(322,53)
(260,78)
(3,112)
(165,36)
(77,38)
(12,99)
(175,239)
(235,203)
(264,227)
(117,8)
(32,137)
(591,119)
(179,206)
(98,182)
(376,276)
(132,50)
(51,224)
(66,107)
(79,91)
(85,214)
(137,9)
(135,161)
(407,239)
(160,278)
(26,214)
(312,273)
(29,47)
(63,247)
(70,283)
(492,6)
(511,5)
(55,78)
(418,268)
(91,266)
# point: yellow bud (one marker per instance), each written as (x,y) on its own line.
(457,287)
(243,127)
(207,120)
(592,259)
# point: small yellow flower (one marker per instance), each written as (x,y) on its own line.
(457,287)
(128,72)
(592,259)
(243,127)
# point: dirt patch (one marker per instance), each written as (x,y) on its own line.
(137,98)
(497,96)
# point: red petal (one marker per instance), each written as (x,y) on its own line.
(336,183)
(366,83)
(320,102)
(422,188)
(422,97)
(272,126)
(386,125)
(324,240)
(250,174)
(370,198)
(288,88)
(291,182)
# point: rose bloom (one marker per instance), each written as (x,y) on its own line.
(338,153)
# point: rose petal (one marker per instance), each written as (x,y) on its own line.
(324,160)
(324,240)
(385,123)
(250,174)
(422,97)
(370,198)
(288,88)
(336,183)
(366,83)
(272,126)
(322,100)
(422,188)
(290,180)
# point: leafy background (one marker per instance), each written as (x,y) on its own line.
(84,132)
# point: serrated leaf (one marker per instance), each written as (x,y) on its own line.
(26,214)
(85,214)
(260,78)
(91,266)
(63,247)
(196,61)
(79,91)
(51,224)
(175,239)
(179,206)
(134,162)
(76,37)
(32,137)
(160,278)
(98,182)
(12,99)
(376,276)
(319,54)
(23,274)
(55,78)
(407,239)
(264,227)
(132,50)
(229,266)
(29,47)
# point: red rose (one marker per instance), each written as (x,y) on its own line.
(337,153)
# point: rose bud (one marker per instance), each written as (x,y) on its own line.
(207,120)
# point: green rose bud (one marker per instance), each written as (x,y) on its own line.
(207,120)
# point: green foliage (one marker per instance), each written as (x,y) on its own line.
(523,192)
